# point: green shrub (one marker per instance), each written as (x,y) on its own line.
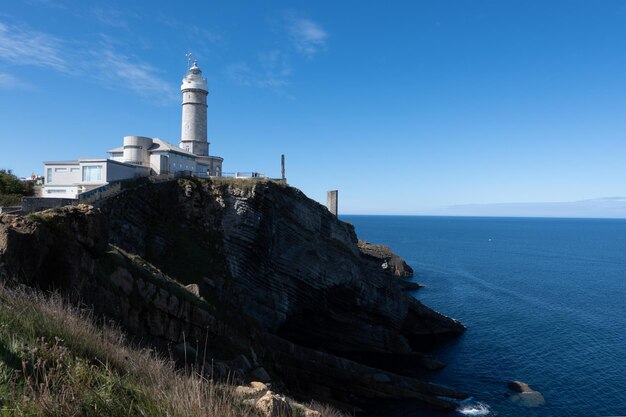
(12,189)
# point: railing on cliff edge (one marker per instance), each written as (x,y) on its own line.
(238,174)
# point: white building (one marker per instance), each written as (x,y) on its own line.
(142,156)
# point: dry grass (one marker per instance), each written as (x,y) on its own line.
(55,361)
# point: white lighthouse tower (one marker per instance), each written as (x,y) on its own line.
(194,129)
(193,137)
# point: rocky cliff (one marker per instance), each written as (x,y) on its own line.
(250,275)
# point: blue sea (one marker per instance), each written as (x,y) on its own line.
(544,301)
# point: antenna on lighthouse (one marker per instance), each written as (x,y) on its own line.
(190,59)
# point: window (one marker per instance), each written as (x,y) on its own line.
(92,173)
(60,169)
(48,175)
(74,169)
(55,191)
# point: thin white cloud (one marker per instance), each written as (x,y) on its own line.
(241,74)
(192,32)
(102,62)
(120,71)
(204,35)
(271,71)
(307,36)
(21,46)
(9,82)
(110,17)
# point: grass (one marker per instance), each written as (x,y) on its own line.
(56,361)
(9,200)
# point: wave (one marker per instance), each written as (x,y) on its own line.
(471,407)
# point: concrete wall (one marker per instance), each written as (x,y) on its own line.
(60,192)
(136,149)
(178,162)
(62,174)
(159,163)
(116,172)
(216,167)
(213,163)
(32,204)
(118,156)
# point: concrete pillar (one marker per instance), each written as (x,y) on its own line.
(332,201)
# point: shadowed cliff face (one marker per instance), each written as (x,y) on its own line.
(282,282)
(277,256)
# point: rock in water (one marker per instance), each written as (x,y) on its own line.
(518,386)
(526,396)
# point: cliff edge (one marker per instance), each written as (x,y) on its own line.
(251,276)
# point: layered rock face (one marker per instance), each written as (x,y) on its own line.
(282,283)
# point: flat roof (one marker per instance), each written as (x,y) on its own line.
(91,160)
(74,162)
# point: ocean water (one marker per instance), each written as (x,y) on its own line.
(544,301)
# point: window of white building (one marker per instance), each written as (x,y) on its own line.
(92,173)
(48,175)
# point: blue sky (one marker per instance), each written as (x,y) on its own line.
(404,106)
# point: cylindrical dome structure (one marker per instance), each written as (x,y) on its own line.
(136,149)
(194,127)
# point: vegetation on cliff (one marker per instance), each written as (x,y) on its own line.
(56,361)
(12,189)
(252,279)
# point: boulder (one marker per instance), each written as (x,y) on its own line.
(273,405)
(518,386)
(193,288)
(525,395)
(254,389)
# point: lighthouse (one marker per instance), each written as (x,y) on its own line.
(194,127)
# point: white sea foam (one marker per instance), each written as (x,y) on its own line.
(470,407)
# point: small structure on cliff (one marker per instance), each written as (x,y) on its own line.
(332,198)
(143,156)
